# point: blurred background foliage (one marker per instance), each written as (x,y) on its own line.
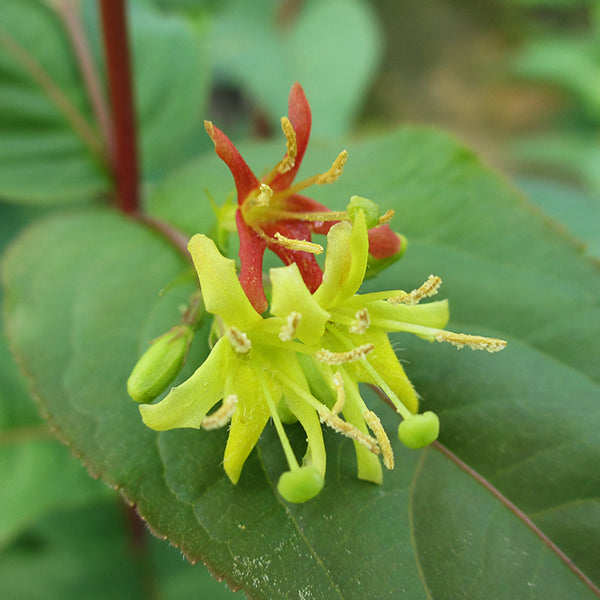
(518,80)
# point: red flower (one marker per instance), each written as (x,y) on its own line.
(272,214)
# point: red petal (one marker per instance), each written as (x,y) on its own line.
(297,203)
(252,250)
(301,120)
(308,266)
(383,242)
(245,180)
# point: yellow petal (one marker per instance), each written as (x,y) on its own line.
(290,294)
(187,404)
(345,263)
(249,419)
(221,290)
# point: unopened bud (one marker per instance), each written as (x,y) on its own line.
(160,364)
(300,485)
(419,430)
(370,208)
(377,264)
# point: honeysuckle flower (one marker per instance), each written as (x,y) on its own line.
(273,214)
(305,361)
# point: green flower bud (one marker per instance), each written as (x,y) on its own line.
(419,431)
(301,484)
(159,365)
(370,208)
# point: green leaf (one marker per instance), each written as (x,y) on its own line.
(100,552)
(578,211)
(49,149)
(253,47)
(520,430)
(38,473)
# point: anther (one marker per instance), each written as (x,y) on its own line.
(475,342)
(335,171)
(338,384)
(239,340)
(288,331)
(384,442)
(222,415)
(362,322)
(264,196)
(387,216)
(301,245)
(348,430)
(289,160)
(429,288)
(340,358)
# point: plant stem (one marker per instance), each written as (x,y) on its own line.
(116,49)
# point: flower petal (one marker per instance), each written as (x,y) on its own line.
(221,291)
(249,419)
(301,120)
(345,263)
(290,294)
(245,180)
(307,263)
(252,251)
(187,404)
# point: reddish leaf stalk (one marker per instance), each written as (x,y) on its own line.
(116,49)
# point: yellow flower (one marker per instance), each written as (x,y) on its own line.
(306,360)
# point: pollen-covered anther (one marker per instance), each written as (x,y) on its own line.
(239,340)
(335,171)
(289,160)
(222,415)
(264,196)
(288,331)
(340,358)
(301,245)
(386,217)
(475,342)
(338,384)
(362,322)
(429,288)
(382,439)
(349,430)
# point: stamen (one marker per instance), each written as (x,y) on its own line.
(335,171)
(222,415)
(475,342)
(386,217)
(288,331)
(263,198)
(239,340)
(429,288)
(384,442)
(362,322)
(338,383)
(348,430)
(302,245)
(340,358)
(289,160)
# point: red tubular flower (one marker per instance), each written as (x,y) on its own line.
(272,214)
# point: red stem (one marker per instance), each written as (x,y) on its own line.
(116,49)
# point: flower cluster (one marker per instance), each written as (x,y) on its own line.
(302,361)
(273,214)
(305,360)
